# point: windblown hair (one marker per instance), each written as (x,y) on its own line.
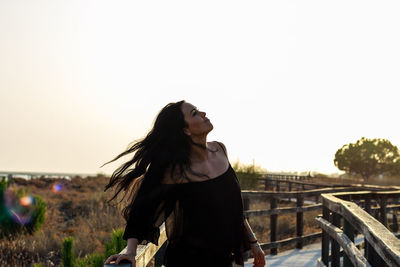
(166,146)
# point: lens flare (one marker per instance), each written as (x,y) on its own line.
(55,188)
(19,209)
(26,200)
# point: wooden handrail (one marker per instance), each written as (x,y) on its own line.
(254,213)
(290,240)
(348,246)
(301,182)
(145,253)
(379,238)
(307,193)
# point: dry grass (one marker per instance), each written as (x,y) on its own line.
(79,210)
(286,223)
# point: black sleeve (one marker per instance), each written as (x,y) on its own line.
(148,211)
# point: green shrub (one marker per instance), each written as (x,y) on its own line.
(248,175)
(67,256)
(38,215)
(90,260)
(31,216)
(110,249)
(117,243)
(38,265)
(117,238)
(82,262)
(96,260)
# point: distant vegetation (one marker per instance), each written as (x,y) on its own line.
(368,158)
(248,175)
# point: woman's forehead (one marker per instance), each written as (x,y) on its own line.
(187,108)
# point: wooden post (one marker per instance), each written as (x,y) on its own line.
(159,257)
(290,189)
(382,210)
(335,245)
(349,231)
(368,250)
(278,186)
(246,206)
(266,180)
(299,220)
(246,203)
(395,225)
(274,225)
(325,238)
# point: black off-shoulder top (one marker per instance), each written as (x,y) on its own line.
(199,216)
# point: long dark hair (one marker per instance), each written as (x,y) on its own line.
(165,146)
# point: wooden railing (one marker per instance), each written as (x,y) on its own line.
(283,184)
(381,246)
(273,198)
(288,176)
(146,253)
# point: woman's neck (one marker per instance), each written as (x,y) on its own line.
(199,150)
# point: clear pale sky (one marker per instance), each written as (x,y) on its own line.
(285,83)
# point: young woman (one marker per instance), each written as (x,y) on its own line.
(177,177)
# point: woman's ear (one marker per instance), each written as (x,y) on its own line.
(186,131)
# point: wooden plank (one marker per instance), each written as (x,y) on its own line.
(254,213)
(145,253)
(290,240)
(377,235)
(305,183)
(348,246)
(391,193)
(259,195)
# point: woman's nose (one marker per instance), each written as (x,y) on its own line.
(203,114)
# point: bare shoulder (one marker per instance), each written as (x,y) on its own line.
(216,145)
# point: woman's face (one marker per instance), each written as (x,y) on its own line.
(197,122)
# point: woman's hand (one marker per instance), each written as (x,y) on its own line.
(259,256)
(119,257)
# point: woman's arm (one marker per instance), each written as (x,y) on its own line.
(250,233)
(132,246)
(258,253)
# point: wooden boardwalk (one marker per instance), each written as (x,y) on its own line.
(364,208)
(306,257)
